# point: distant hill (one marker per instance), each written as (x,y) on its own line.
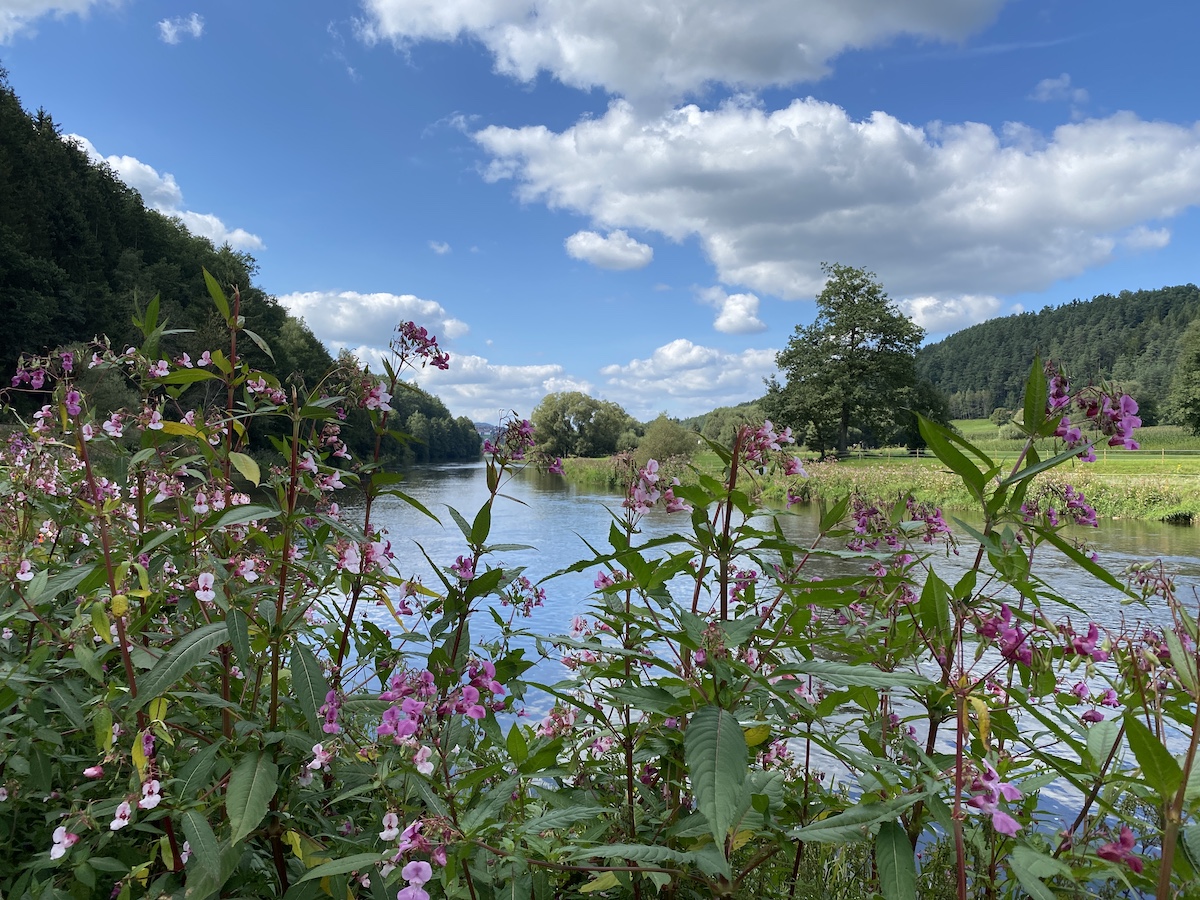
(1131,338)
(80,252)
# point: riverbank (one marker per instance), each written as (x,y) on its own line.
(1114,486)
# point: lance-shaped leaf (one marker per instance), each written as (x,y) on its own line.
(894,860)
(252,784)
(179,660)
(715,752)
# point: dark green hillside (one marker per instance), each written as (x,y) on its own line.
(1131,337)
(80,254)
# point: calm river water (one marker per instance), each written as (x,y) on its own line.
(555,517)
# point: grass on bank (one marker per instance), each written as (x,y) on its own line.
(1150,483)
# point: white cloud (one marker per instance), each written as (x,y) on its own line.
(441,248)
(942,315)
(475,387)
(19,15)
(1143,238)
(161,192)
(350,320)
(617,251)
(171,31)
(688,379)
(1050,89)
(670,47)
(942,210)
(738,312)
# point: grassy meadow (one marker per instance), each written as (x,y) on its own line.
(1159,481)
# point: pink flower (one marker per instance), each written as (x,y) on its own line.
(421,759)
(464,568)
(63,841)
(556,467)
(205,359)
(417,872)
(246,569)
(25,571)
(93,772)
(321,758)
(391,827)
(122,816)
(204,588)
(1121,850)
(151,794)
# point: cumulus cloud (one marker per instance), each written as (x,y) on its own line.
(476,387)
(617,251)
(943,210)
(1143,238)
(19,15)
(689,379)
(441,248)
(942,315)
(160,191)
(670,47)
(171,31)
(738,312)
(353,321)
(1051,89)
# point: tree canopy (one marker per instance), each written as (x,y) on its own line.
(571,423)
(852,369)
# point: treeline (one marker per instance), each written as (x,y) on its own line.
(80,253)
(1132,337)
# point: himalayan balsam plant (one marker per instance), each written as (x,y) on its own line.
(193,704)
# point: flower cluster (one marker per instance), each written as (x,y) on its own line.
(989,789)
(1113,413)
(411,341)
(513,442)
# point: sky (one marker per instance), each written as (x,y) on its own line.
(633,198)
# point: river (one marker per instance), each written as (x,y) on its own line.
(555,517)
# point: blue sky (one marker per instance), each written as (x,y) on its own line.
(633,197)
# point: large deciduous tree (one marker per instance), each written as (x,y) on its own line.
(573,424)
(1184,400)
(852,368)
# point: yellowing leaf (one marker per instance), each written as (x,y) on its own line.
(247,466)
(984,717)
(180,429)
(120,605)
(756,734)
(741,839)
(139,756)
(603,882)
(101,624)
(158,709)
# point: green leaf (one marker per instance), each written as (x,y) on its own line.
(240,515)
(187,376)
(309,685)
(847,675)
(482,525)
(259,342)
(343,866)
(850,825)
(218,296)
(1031,867)
(1035,396)
(717,760)
(206,853)
(518,747)
(1101,739)
(252,784)
(178,661)
(558,819)
(935,610)
(247,466)
(941,442)
(1159,768)
(193,777)
(894,859)
(239,637)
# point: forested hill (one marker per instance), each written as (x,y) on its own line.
(80,252)
(1131,337)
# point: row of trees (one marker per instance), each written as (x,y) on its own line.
(849,377)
